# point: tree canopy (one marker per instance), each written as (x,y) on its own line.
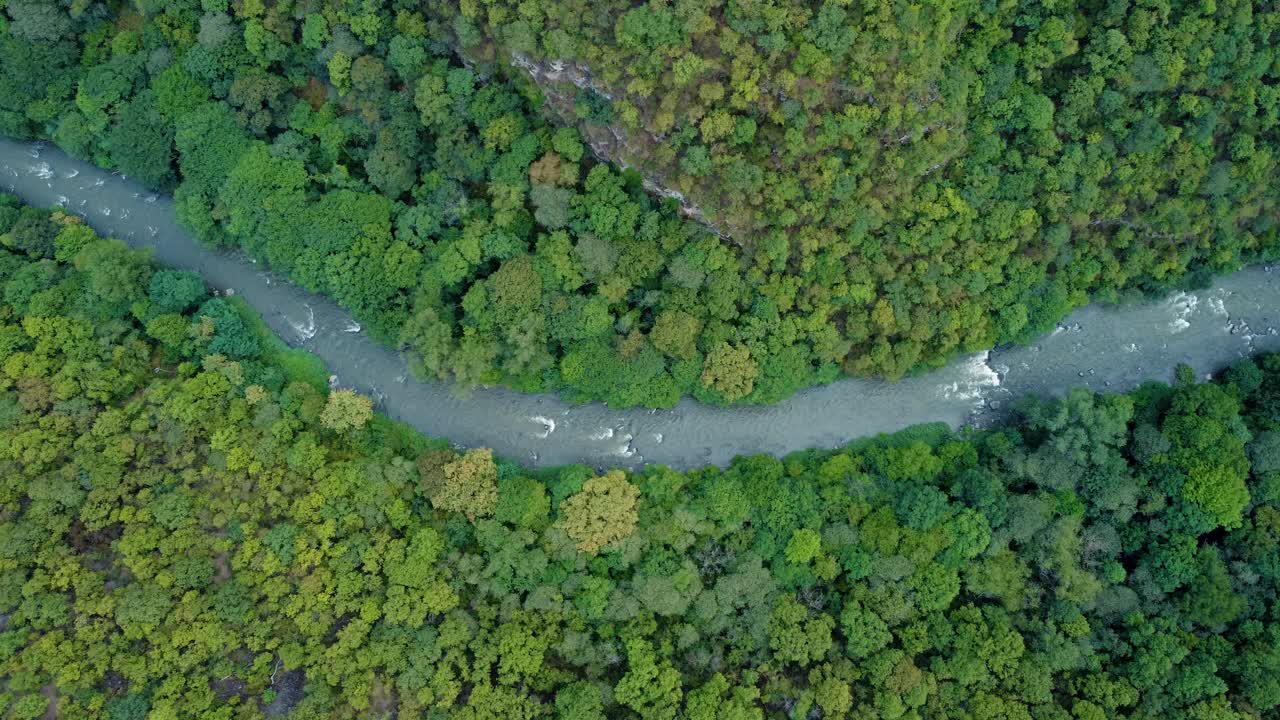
(186,532)
(811,188)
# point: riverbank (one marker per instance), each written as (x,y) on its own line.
(1101,348)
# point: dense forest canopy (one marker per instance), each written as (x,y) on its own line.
(895,183)
(192,525)
(946,146)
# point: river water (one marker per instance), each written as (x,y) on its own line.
(1103,348)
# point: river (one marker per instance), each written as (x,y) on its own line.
(1104,348)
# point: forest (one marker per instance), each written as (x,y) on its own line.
(879,186)
(194,525)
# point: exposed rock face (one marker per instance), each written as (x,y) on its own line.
(553,71)
(556,78)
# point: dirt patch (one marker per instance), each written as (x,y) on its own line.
(227,688)
(288,687)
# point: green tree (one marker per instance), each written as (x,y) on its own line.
(865,633)
(140,143)
(798,636)
(1207,440)
(225,331)
(176,291)
(115,273)
(579,701)
(651,686)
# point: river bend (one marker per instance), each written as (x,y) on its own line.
(1103,348)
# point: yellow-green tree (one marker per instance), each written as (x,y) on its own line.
(468,484)
(675,333)
(346,410)
(602,513)
(730,371)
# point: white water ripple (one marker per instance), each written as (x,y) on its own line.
(979,379)
(1183,305)
(545,422)
(307,331)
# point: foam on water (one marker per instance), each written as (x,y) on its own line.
(979,378)
(625,450)
(307,331)
(1241,328)
(545,422)
(1183,305)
